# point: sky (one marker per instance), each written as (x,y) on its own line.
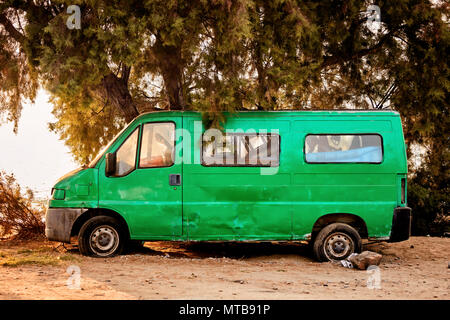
(35,156)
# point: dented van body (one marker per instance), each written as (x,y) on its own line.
(267,176)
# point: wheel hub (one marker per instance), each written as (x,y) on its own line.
(104,240)
(338,246)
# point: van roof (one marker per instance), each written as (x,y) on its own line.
(283,112)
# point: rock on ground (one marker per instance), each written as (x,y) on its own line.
(365,259)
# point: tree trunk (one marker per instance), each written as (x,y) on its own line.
(115,91)
(171,67)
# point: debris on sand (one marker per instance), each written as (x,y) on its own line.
(362,261)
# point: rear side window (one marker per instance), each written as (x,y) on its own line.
(343,148)
(241,150)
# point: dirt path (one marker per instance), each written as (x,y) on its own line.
(415,269)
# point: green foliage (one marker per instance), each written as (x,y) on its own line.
(429,191)
(85,128)
(18,82)
(430,209)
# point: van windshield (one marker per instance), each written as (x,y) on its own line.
(94,162)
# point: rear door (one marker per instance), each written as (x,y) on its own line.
(147,187)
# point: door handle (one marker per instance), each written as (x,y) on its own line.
(175,179)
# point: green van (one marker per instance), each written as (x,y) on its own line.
(330,178)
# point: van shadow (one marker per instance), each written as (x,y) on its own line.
(204,250)
(232,250)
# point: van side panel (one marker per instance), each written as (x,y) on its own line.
(237,203)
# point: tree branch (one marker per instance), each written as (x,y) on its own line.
(12,31)
(332,60)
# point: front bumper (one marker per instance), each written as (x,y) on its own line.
(59,222)
(401,224)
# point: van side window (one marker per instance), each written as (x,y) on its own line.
(157,145)
(241,150)
(343,148)
(126,155)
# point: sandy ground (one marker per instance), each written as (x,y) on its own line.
(414,269)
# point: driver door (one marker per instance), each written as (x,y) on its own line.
(147,186)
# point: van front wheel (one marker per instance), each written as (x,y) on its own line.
(336,242)
(101,236)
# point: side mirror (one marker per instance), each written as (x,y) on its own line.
(110,166)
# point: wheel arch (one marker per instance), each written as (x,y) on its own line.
(353,220)
(98,212)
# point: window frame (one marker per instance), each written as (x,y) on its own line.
(344,134)
(138,164)
(137,152)
(243,165)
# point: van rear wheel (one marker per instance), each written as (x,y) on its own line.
(101,236)
(336,241)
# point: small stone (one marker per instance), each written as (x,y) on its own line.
(239,281)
